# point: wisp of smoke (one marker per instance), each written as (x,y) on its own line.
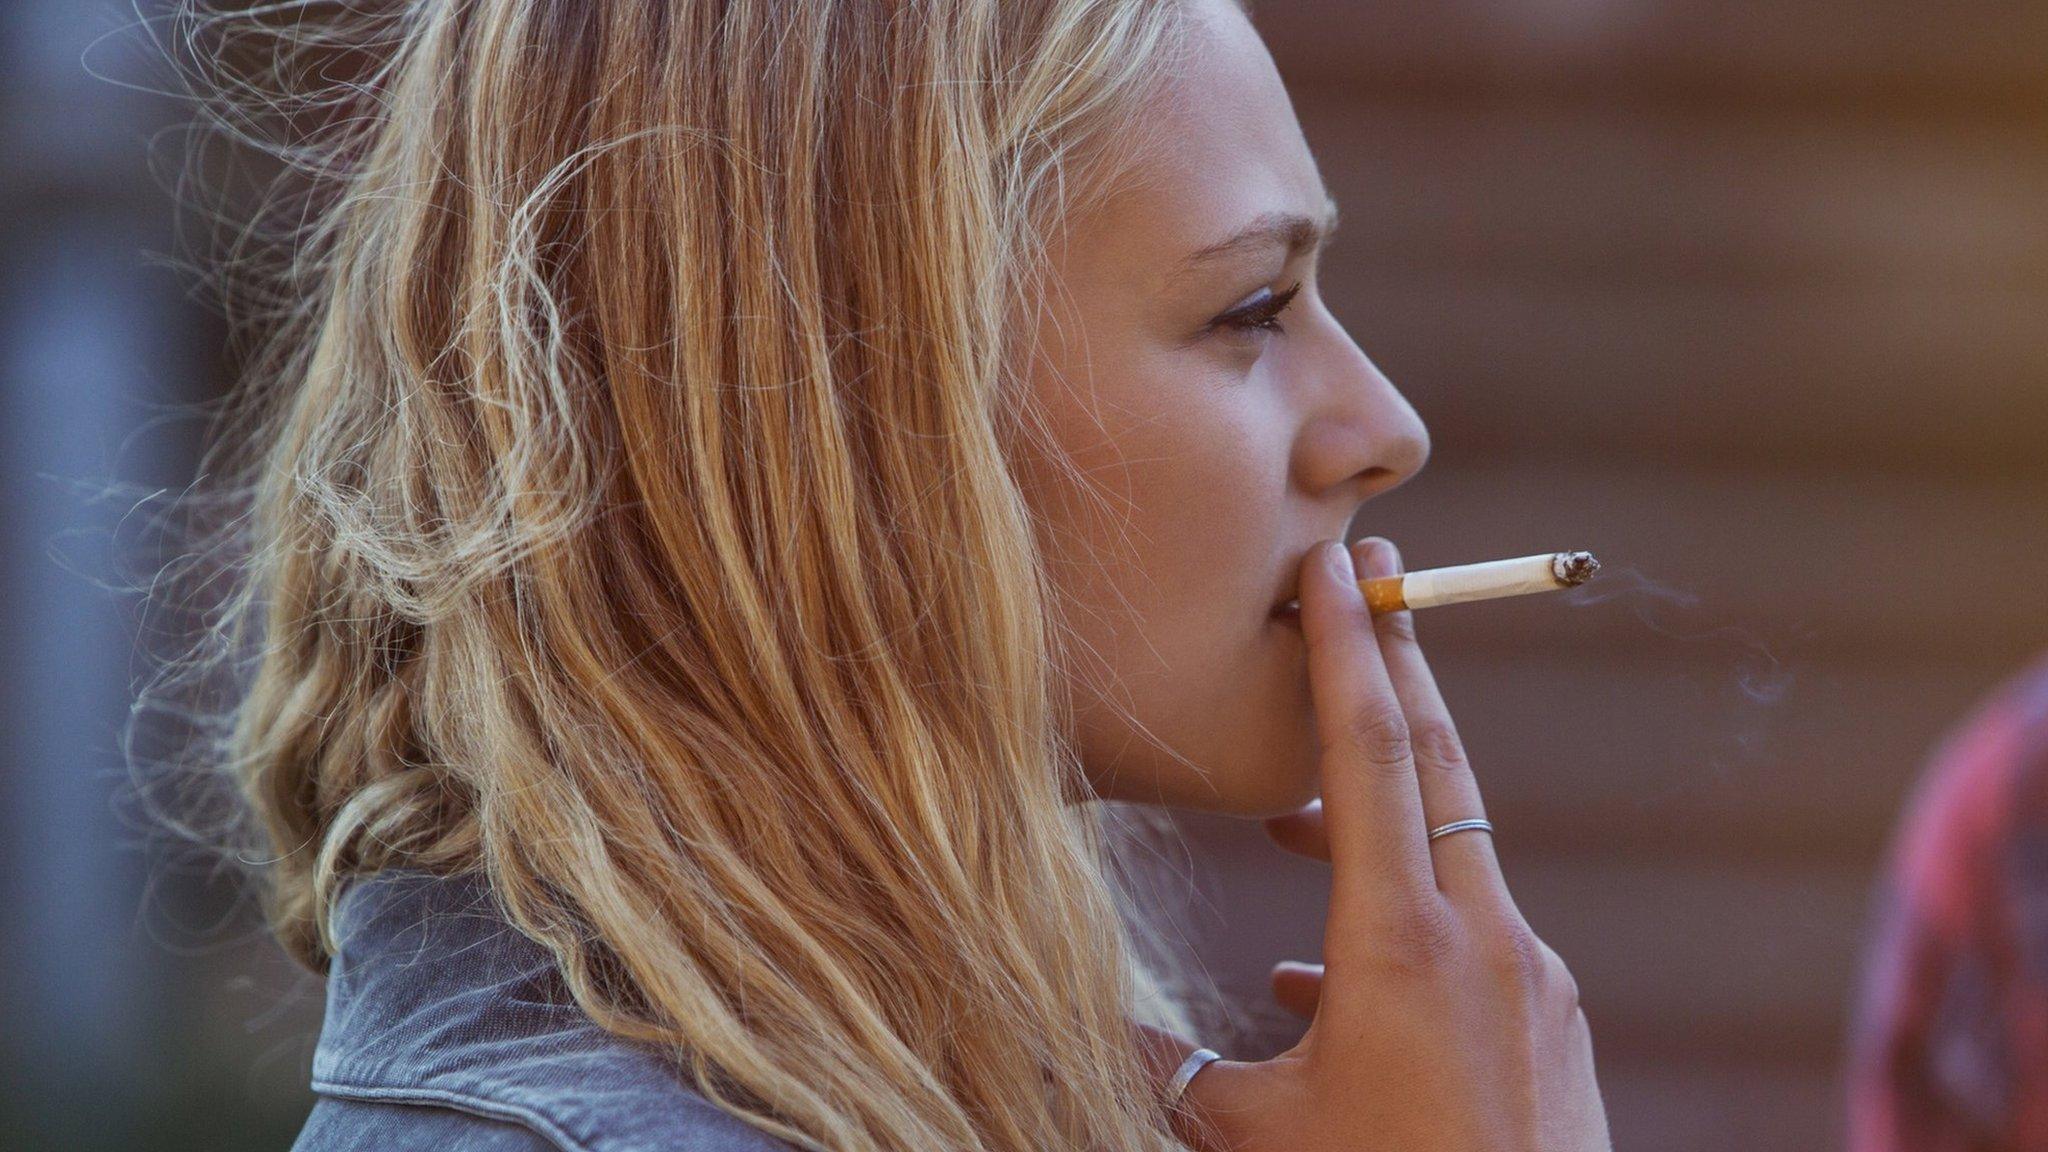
(1759,675)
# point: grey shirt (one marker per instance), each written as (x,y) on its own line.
(447,1030)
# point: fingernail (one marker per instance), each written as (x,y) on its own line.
(1338,558)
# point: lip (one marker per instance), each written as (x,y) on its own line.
(1286,586)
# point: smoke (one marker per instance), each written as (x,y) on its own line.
(1741,670)
(1759,673)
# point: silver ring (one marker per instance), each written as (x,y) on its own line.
(1196,1061)
(1460,826)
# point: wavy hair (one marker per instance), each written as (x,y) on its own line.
(622,502)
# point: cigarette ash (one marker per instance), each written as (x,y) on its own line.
(1573,568)
(1760,678)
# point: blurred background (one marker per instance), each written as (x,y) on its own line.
(1750,297)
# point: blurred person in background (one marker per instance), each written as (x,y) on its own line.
(729,488)
(1949,1039)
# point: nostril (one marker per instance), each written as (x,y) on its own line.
(1376,480)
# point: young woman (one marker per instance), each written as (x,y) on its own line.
(735,486)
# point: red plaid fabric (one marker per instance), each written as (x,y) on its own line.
(1948,1040)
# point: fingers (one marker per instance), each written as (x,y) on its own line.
(1464,862)
(1372,804)
(1301,832)
(1162,1053)
(1298,987)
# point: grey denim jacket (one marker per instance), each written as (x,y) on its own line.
(449,1031)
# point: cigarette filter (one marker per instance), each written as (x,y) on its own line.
(1486,581)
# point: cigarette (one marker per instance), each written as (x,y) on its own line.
(1485,581)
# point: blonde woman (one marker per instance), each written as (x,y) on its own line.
(733,488)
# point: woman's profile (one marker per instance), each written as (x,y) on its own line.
(730,489)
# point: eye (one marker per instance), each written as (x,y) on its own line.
(1261,315)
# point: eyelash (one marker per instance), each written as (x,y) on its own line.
(1263,316)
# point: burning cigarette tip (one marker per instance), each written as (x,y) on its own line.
(1574,568)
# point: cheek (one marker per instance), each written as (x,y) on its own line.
(1165,560)
(1167,580)
(1185,535)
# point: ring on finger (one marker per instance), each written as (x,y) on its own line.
(1196,1061)
(1461,826)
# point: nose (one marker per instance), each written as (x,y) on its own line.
(1361,437)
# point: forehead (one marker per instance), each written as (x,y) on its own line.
(1215,148)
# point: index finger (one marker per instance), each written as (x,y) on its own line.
(1465,865)
(1372,802)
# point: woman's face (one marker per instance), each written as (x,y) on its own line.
(1221,450)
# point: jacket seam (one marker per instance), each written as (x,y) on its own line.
(477,1105)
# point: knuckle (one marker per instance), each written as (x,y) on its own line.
(1438,745)
(1517,954)
(1381,733)
(1568,997)
(1558,977)
(1422,938)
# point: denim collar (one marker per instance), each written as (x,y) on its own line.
(434,998)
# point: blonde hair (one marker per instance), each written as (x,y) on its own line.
(623,504)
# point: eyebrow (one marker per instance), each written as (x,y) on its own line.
(1296,232)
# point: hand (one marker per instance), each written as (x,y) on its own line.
(1441,1022)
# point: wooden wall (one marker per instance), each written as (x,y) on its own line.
(1751,298)
(1746,295)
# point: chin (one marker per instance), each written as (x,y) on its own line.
(1247,797)
(1284,780)
(1252,775)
